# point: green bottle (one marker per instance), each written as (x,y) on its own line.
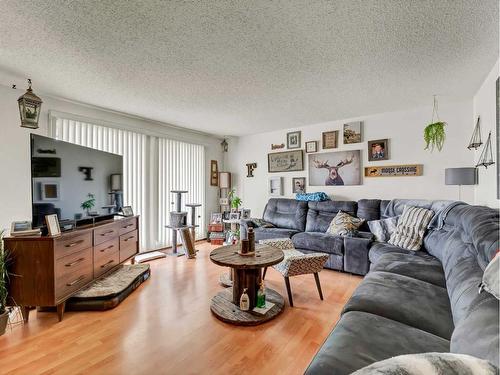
(261,295)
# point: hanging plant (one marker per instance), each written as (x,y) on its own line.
(434,133)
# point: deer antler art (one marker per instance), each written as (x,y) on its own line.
(333,172)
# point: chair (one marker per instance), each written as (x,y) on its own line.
(296,263)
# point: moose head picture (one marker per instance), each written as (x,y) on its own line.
(335,168)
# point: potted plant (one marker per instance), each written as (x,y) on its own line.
(89,203)
(235,200)
(434,133)
(4,313)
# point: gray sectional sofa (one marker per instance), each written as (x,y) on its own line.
(411,302)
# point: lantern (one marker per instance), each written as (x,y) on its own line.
(29,108)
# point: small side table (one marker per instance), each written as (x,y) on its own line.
(247,271)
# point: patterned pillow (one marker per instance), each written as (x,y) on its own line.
(313,197)
(279,243)
(382,229)
(412,224)
(430,364)
(344,224)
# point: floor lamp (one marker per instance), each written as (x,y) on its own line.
(460,176)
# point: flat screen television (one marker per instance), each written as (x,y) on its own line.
(65,175)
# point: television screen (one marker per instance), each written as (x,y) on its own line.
(72,181)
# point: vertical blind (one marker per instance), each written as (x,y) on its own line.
(152,167)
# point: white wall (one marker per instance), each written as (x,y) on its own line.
(405,132)
(15,193)
(485,107)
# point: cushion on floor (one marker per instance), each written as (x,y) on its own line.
(108,291)
(269,233)
(426,268)
(410,301)
(360,339)
(325,243)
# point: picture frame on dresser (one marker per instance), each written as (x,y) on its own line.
(53,225)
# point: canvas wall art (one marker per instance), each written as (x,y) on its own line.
(352,132)
(335,168)
(287,161)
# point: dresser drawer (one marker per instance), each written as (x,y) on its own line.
(127,225)
(105,233)
(71,281)
(75,261)
(106,263)
(106,248)
(72,243)
(128,245)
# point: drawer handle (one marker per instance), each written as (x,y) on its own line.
(107,263)
(75,262)
(109,247)
(128,226)
(128,238)
(108,232)
(76,281)
(74,243)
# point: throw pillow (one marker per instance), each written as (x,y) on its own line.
(429,364)
(313,197)
(491,281)
(344,224)
(382,229)
(262,223)
(412,224)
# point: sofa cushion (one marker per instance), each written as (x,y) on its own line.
(423,267)
(477,333)
(286,213)
(381,248)
(412,225)
(360,339)
(430,364)
(410,301)
(269,233)
(344,224)
(491,278)
(320,214)
(323,242)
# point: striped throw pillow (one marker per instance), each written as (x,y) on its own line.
(412,224)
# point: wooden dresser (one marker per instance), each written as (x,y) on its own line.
(46,271)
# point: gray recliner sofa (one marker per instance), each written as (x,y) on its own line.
(424,301)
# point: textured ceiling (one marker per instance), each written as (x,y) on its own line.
(237,67)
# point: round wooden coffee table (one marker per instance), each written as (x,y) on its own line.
(246,274)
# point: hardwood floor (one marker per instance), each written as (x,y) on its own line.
(165,327)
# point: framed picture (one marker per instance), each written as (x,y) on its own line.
(335,168)
(352,132)
(330,139)
(49,191)
(127,211)
(312,146)
(214,173)
(298,185)
(234,216)
(293,140)
(275,186)
(53,225)
(224,201)
(216,218)
(378,150)
(245,213)
(286,161)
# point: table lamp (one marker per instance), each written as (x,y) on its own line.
(460,176)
